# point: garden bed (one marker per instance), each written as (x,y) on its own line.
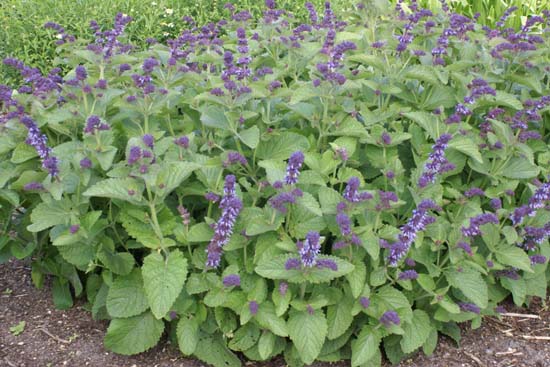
(72,338)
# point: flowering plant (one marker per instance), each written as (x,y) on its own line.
(315,190)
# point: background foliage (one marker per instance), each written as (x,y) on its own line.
(325,191)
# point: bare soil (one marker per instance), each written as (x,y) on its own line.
(71,338)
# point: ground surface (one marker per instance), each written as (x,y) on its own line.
(71,338)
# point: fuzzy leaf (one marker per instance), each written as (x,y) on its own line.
(365,346)
(188,335)
(117,188)
(133,335)
(282,146)
(471,284)
(308,333)
(126,296)
(416,332)
(163,280)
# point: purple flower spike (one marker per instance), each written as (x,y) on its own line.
(182,141)
(351,193)
(474,191)
(389,318)
(386,138)
(253,307)
(292,263)
(477,221)
(537,259)
(327,264)
(148,140)
(74,228)
(232,280)
(293,168)
(85,163)
(408,275)
(344,223)
(309,249)
(134,155)
(32,186)
(469,307)
(437,163)
(465,246)
(234,158)
(283,288)
(365,302)
(496,204)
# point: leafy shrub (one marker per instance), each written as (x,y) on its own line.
(314,190)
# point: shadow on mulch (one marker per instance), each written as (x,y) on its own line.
(71,338)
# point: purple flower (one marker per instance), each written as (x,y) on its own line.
(184,214)
(385,198)
(149,64)
(292,263)
(293,168)
(232,280)
(469,307)
(344,223)
(74,228)
(253,307)
(31,186)
(94,124)
(386,138)
(507,273)
(283,288)
(351,193)
(148,140)
(410,262)
(519,213)
(217,92)
(465,246)
(280,200)
(475,191)
(50,164)
(418,222)
(182,141)
(537,259)
(134,155)
(496,204)
(85,163)
(231,206)
(234,158)
(437,163)
(309,249)
(408,275)
(327,264)
(210,196)
(81,73)
(365,302)
(390,317)
(477,221)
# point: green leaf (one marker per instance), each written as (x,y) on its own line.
(171,175)
(251,137)
(117,188)
(200,232)
(61,292)
(515,257)
(120,263)
(22,153)
(339,317)
(365,346)
(266,344)
(163,280)
(245,337)
(427,121)
(215,117)
(274,268)
(471,284)
(280,147)
(126,296)
(133,335)
(212,350)
(47,215)
(467,146)
(267,318)
(18,329)
(308,333)
(520,168)
(188,334)
(308,202)
(416,332)
(329,198)
(509,100)
(357,279)
(422,73)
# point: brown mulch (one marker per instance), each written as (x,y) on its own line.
(71,338)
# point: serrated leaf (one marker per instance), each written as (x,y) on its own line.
(308,333)
(126,296)
(427,121)
(365,346)
(120,263)
(188,335)
(282,146)
(519,168)
(268,319)
(266,344)
(357,279)
(339,318)
(329,199)
(117,188)
(22,153)
(467,146)
(471,284)
(133,335)
(172,175)
(212,350)
(416,332)
(515,257)
(245,337)
(251,136)
(163,280)
(215,117)
(200,232)
(308,202)
(47,215)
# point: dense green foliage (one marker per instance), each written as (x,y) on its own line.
(325,191)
